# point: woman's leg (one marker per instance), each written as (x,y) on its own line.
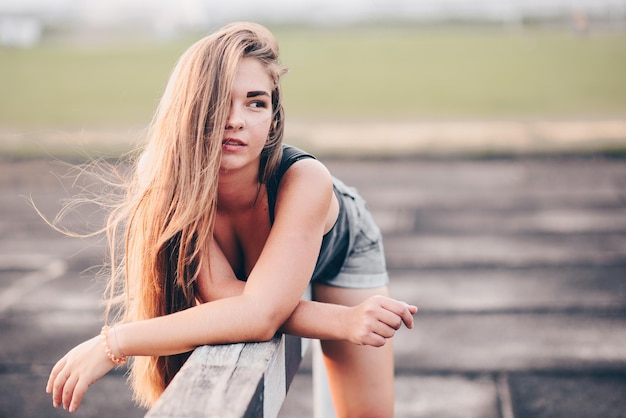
(360,377)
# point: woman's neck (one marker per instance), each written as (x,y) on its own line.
(237,191)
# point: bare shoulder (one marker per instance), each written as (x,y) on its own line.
(308,171)
(306,186)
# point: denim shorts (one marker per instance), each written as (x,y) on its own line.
(364,266)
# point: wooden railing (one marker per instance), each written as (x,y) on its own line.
(235,380)
(242,380)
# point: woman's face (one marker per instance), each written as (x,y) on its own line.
(249,118)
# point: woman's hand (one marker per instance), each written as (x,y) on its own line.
(76,371)
(376,319)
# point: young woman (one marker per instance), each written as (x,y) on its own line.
(223,229)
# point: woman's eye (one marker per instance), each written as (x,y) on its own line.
(258,104)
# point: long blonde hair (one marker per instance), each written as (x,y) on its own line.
(157,235)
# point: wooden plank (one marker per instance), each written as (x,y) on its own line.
(235,380)
(294,351)
(275,388)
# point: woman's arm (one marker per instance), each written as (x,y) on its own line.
(310,319)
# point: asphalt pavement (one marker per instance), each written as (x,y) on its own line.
(518,266)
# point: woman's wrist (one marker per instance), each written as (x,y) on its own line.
(112,346)
(345,323)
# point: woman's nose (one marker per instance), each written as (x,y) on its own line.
(235,119)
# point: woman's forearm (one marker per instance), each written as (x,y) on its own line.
(224,321)
(238,319)
(317,320)
(310,319)
(230,320)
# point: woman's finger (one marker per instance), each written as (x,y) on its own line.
(53,374)
(390,319)
(57,387)
(408,317)
(374,340)
(402,309)
(68,391)
(384,330)
(77,397)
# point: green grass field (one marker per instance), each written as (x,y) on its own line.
(357,73)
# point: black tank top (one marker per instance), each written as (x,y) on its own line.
(335,242)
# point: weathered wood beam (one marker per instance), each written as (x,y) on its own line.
(233,381)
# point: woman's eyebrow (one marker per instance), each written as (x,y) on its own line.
(257,93)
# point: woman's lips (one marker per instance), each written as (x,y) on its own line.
(233,141)
(232,144)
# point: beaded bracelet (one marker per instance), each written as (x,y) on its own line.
(104,335)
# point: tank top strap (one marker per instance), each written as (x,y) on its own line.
(290,156)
